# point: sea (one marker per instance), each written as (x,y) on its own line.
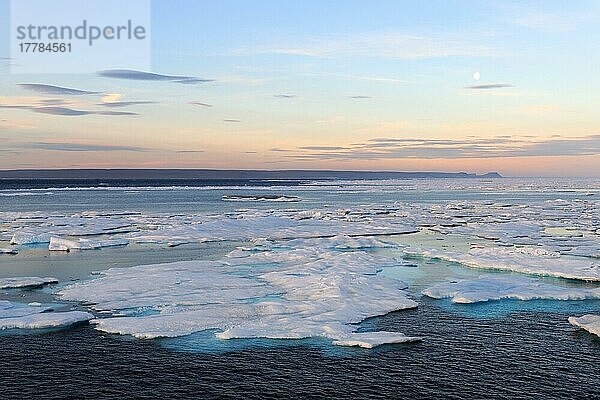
(502,349)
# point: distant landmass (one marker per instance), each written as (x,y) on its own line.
(219,174)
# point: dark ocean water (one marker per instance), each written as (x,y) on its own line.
(16,184)
(521,356)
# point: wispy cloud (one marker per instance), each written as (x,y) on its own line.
(231,120)
(487,86)
(54,90)
(70,112)
(79,147)
(54,107)
(323,148)
(199,103)
(476,147)
(377,45)
(114,100)
(284,96)
(149,76)
(125,103)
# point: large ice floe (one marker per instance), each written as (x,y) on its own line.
(589,322)
(25,282)
(526,260)
(270,227)
(487,288)
(280,294)
(33,229)
(37,316)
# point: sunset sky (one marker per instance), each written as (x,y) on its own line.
(472,86)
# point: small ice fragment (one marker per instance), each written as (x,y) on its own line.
(8,251)
(25,282)
(369,340)
(589,322)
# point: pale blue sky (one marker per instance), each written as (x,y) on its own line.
(356,72)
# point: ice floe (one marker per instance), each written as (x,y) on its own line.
(37,316)
(589,322)
(45,320)
(270,227)
(25,282)
(261,197)
(279,294)
(41,228)
(487,288)
(534,261)
(8,251)
(62,244)
(369,340)
(342,242)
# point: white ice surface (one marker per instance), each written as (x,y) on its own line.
(37,316)
(45,320)
(488,288)
(299,293)
(369,340)
(39,229)
(16,310)
(589,322)
(270,227)
(62,244)
(341,242)
(25,281)
(534,261)
(8,251)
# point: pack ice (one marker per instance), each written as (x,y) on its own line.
(21,316)
(25,282)
(280,294)
(252,227)
(487,288)
(34,228)
(526,260)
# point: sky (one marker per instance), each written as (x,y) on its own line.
(473,86)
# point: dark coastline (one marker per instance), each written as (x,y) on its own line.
(217,174)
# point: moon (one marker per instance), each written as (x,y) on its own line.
(477,76)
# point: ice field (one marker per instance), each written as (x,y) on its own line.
(291,261)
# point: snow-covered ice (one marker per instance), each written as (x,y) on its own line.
(280,294)
(526,260)
(589,322)
(62,244)
(488,288)
(40,229)
(37,316)
(25,282)
(45,320)
(369,340)
(270,227)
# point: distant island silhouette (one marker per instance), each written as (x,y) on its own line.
(227,174)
